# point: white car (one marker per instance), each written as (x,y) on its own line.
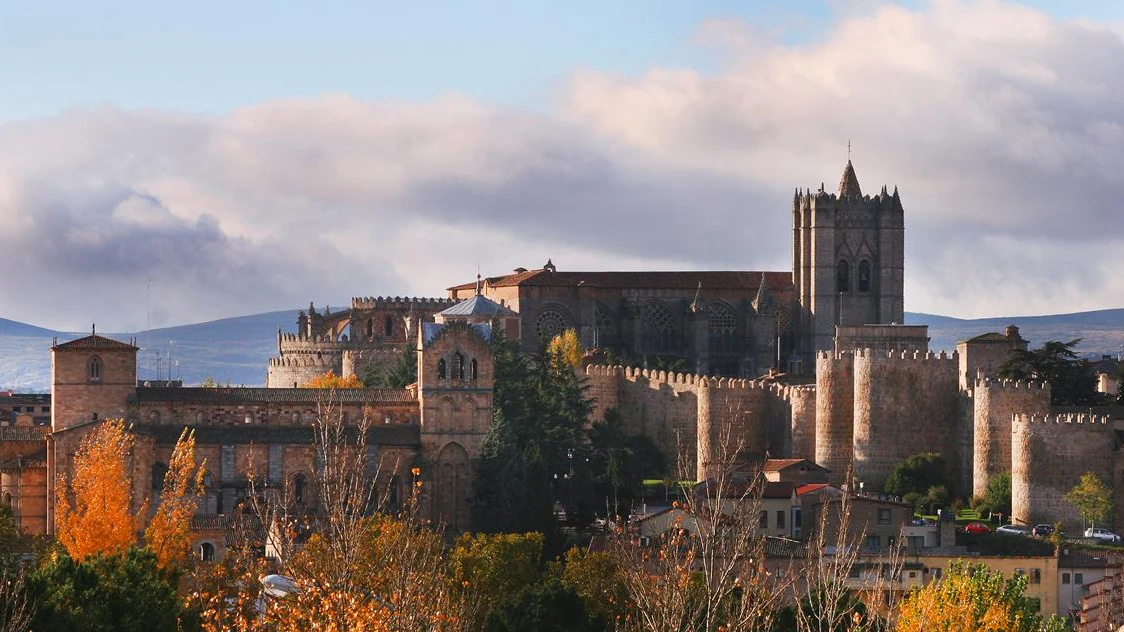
(1104,535)
(1014,529)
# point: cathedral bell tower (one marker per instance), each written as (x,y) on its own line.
(848,255)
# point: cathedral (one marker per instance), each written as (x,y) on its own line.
(813,363)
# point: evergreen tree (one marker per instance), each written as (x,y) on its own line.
(1071,379)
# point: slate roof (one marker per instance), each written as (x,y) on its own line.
(632,280)
(476,307)
(430,331)
(849,183)
(258,395)
(235,433)
(94,341)
(39,459)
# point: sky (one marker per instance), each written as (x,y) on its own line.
(168,163)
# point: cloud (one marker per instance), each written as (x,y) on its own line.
(1004,130)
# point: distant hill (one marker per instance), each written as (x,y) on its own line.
(238,349)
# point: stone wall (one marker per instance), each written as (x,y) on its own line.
(835,413)
(1049,455)
(994,403)
(802,407)
(906,403)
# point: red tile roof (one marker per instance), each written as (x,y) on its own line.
(94,342)
(661,280)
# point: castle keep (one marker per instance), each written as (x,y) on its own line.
(812,363)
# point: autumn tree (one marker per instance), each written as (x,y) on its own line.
(169,532)
(974,597)
(330,380)
(596,577)
(1091,498)
(565,348)
(494,566)
(93,509)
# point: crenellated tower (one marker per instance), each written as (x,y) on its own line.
(848,257)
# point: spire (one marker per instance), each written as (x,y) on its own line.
(849,183)
(764,299)
(478,284)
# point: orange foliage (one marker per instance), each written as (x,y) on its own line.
(331,380)
(92,513)
(169,533)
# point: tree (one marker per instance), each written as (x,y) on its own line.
(596,577)
(620,462)
(997,497)
(122,591)
(973,597)
(917,475)
(169,533)
(1091,498)
(97,519)
(566,348)
(330,380)
(537,437)
(545,607)
(1072,381)
(399,375)
(493,567)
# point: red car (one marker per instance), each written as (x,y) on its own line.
(976,527)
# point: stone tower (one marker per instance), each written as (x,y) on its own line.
(847,260)
(92,378)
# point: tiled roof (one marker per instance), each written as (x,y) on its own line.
(776,465)
(810,487)
(630,280)
(94,342)
(39,459)
(204,395)
(742,487)
(236,433)
(23,433)
(988,337)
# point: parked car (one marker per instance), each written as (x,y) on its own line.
(1043,530)
(976,527)
(1102,535)
(1014,529)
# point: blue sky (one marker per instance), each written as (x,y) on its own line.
(251,156)
(212,56)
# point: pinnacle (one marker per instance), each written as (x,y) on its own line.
(849,183)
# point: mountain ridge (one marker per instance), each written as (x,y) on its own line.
(237,348)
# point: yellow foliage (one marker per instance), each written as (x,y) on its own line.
(970,598)
(169,533)
(566,348)
(331,380)
(92,513)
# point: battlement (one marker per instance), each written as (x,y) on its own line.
(834,355)
(401,302)
(321,342)
(1011,385)
(910,354)
(302,361)
(657,378)
(1065,419)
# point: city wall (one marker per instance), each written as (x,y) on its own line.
(995,402)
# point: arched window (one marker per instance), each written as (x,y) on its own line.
(159,472)
(93,370)
(458,366)
(843,274)
(472,369)
(388,327)
(864,276)
(154,417)
(723,339)
(441,371)
(207,552)
(661,329)
(370,327)
(550,323)
(207,480)
(199,417)
(299,482)
(8,498)
(604,330)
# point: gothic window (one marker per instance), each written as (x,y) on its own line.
(94,369)
(299,483)
(388,327)
(207,552)
(723,339)
(843,274)
(159,471)
(604,330)
(864,276)
(472,369)
(661,330)
(458,366)
(441,371)
(550,323)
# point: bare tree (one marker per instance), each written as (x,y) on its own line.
(706,570)
(15,605)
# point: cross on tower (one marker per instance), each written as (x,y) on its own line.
(848,149)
